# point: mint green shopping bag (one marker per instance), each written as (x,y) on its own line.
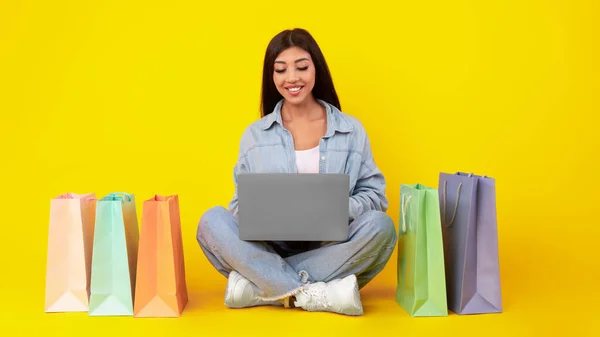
(114,256)
(421,288)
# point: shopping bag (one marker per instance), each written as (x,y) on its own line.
(69,252)
(161,289)
(421,288)
(469,227)
(114,258)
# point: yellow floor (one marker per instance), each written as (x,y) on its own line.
(549,288)
(528,312)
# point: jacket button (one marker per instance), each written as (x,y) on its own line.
(322,157)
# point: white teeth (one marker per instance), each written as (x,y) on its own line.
(294,89)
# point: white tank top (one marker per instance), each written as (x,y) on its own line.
(307,161)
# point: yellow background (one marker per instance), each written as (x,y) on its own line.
(152,96)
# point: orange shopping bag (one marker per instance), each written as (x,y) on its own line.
(70,239)
(161,289)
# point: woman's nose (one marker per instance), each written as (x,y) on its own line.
(292,76)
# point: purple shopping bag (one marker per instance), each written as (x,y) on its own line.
(470,236)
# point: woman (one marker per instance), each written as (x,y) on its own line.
(302,130)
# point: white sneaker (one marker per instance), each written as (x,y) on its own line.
(240,293)
(340,296)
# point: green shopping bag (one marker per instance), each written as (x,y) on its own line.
(421,288)
(114,256)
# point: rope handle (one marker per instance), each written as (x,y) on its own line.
(455,206)
(404,207)
(457,200)
(117,195)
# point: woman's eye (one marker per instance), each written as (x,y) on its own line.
(303,68)
(279,70)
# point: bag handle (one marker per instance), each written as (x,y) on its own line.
(457,199)
(71,195)
(122,195)
(455,206)
(404,206)
(471,175)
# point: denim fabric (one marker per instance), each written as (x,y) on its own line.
(276,269)
(267,147)
(372,238)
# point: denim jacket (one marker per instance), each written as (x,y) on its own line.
(266,146)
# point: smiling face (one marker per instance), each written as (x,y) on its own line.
(294,75)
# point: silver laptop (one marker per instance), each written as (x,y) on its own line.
(293,206)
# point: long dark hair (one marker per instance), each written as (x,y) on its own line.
(301,38)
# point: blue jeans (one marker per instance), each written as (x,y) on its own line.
(277,272)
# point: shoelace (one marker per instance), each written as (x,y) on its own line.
(315,299)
